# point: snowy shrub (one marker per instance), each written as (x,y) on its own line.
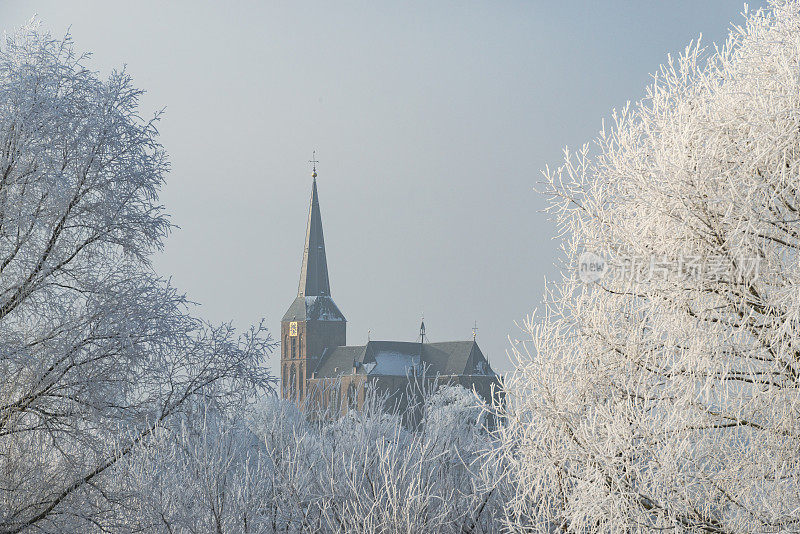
(456,418)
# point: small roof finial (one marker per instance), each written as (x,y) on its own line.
(422,335)
(474,330)
(314,162)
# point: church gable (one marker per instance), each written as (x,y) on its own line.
(454,358)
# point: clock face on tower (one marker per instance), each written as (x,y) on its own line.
(293,329)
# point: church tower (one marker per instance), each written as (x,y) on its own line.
(312,324)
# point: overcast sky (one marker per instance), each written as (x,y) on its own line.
(431,122)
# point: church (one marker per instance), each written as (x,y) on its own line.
(319,369)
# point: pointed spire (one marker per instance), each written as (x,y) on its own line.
(314,271)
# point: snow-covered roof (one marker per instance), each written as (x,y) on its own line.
(399,358)
(392,363)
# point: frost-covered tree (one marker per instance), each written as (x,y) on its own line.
(96,351)
(274,471)
(661,387)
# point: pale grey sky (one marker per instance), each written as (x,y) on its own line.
(431,121)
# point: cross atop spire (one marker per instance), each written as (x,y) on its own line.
(314,270)
(314,162)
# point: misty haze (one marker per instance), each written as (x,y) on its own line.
(419,267)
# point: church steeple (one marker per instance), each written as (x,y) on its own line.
(314,270)
(313,323)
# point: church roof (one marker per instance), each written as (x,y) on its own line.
(399,358)
(314,270)
(320,308)
(340,360)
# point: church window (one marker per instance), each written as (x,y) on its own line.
(292,382)
(352,395)
(335,397)
(302,384)
(294,347)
